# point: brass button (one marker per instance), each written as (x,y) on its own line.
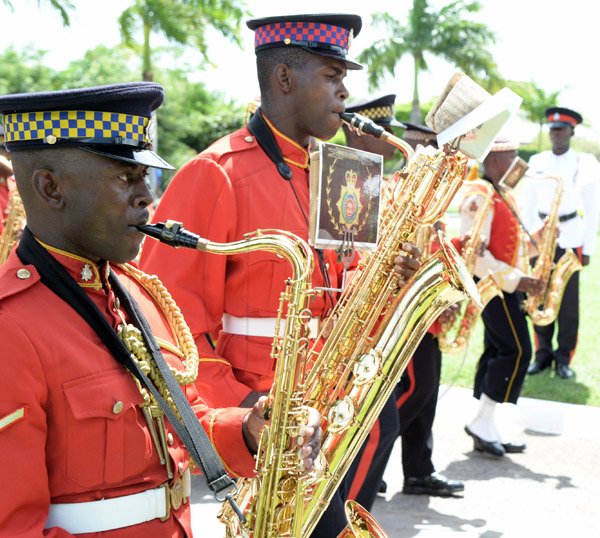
(117,303)
(118,407)
(180,467)
(249,139)
(170,438)
(51,139)
(23,274)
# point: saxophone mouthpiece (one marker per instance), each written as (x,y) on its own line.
(173,233)
(362,124)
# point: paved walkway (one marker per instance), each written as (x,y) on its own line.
(552,490)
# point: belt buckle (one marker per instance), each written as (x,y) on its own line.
(167,489)
(175,496)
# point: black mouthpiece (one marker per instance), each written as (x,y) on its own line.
(171,233)
(362,124)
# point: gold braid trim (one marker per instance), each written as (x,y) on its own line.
(133,340)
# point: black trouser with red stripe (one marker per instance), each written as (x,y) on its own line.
(416,394)
(417,400)
(507,349)
(567,322)
(365,475)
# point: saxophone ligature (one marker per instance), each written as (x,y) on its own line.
(273,501)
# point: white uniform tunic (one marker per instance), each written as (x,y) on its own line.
(580,173)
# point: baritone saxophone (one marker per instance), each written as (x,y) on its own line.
(273,501)
(376,324)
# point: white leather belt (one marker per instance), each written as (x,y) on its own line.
(261,326)
(119,512)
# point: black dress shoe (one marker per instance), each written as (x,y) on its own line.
(514,448)
(564,372)
(435,484)
(494,448)
(382,489)
(536,367)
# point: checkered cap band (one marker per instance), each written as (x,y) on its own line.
(302,32)
(84,124)
(378,112)
(418,136)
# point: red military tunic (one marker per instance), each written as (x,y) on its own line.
(230,189)
(506,249)
(63,436)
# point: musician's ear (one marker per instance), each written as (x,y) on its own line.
(283,77)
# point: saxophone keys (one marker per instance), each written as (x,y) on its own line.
(367,367)
(340,415)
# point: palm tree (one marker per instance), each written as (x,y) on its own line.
(181,21)
(62,6)
(535,103)
(446,33)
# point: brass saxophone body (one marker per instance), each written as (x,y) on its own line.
(13,227)
(454,336)
(274,500)
(376,325)
(543,308)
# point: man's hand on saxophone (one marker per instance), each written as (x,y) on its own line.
(308,440)
(530,285)
(405,266)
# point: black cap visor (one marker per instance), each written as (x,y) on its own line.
(144,157)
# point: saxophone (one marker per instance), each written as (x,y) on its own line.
(376,325)
(543,308)
(454,336)
(273,501)
(13,227)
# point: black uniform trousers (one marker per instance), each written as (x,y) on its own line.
(366,473)
(567,323)
(507,349)
(417,411)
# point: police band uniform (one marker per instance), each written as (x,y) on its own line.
(507,347)
(77,451)
(579,215)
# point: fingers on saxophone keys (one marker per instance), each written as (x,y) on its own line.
(412,250)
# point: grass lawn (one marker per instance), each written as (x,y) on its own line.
(459,370)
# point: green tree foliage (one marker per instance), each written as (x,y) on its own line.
(24,71)
(184,22)
(448,34)
(535,102)
(62,6)
(189,121)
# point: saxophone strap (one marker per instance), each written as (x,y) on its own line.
(259,128)
(513,211)
(55,277)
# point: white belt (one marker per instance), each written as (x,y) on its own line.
(119,512)
(261,326)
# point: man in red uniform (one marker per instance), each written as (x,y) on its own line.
(85,447)
(257,177)
(507,345)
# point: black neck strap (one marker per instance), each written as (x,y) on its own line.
(264,136)
(55,277)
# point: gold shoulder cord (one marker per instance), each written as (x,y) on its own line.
(185,348)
